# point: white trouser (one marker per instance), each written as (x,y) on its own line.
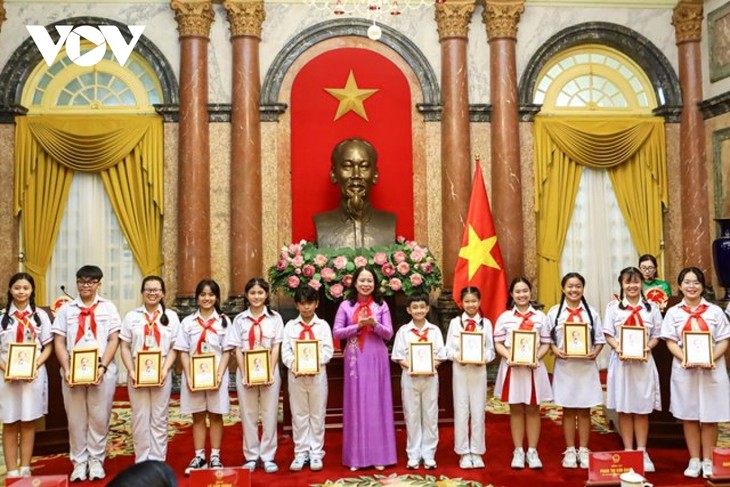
(470,402)
(308,402)
(88,409)
(251,402)
(149,420)
(421,411)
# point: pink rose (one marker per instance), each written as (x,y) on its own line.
(297,271)
(336,290)
(340,262)
(380,258)
(388,269)
(308,270)
(295,248)
(395,284)
(361,261)
(411,244)
(427,268)
(416,279)
(320,260)
(403,268)
(347,280)
(281,264)
(399,257)
(293,282)
(297,261)
(418,254)
(314,284)
(400,239)
(328,274)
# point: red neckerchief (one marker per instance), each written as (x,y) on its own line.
(634,318)
(82,322)
(363,311)
(471,325)
(255,325)
(151,328)
(307,332)
(697,316)
(207,326)
(574,313)
(23,323)
(526,323)
(422,336)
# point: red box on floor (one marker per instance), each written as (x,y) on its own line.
(721,463)
(605,467)
(220,477)
(39,481)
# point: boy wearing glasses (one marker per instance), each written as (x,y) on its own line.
(89,321)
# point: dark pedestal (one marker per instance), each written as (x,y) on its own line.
(52,435)
(664,430)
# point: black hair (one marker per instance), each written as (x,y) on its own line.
(652,259)
(90,272)
(563,282)
(418,298)
(216,290)
(306,294)
(31,301)
(470,290)
(263,284)
(150,473)
(337,151)
(352,292)
(628,274)
(516,281)
(163,318)
(697,272)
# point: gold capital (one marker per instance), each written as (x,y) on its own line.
(245,17)
(194,17)
(2,14)
(687,21)
(501,18)
(452,18)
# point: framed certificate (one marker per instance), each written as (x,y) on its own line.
(21,361)
(84,362)
(204,372)
(258,369)
(420,358)
(471,348)
(697,347)
(306,357)
(524,347)
(575,339)
(148,368)
(633,342)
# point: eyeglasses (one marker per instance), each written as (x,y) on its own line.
(87,282)
(691,283)
(152,291)
(647,268)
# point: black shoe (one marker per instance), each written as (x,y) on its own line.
(215,462)
(196,463)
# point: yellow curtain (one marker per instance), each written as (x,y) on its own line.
(126,150)
(632,149)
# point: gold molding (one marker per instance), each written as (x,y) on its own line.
(194,17)
(245,17)
(453,17)
(501,18)
(3,17)
(687,21)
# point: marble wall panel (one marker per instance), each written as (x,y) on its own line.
(220,200)
(8,223)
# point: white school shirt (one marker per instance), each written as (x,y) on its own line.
(292,330)
(457,325)
(42,334)
(107,320)
(556,337)
(190,331)
(406,335)
(135,323)
(509,321)
(615,317)
(676,318)
(272,331)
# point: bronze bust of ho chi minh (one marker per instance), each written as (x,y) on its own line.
(355,223)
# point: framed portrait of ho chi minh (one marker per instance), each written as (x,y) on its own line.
(524,347)
(633,342)
(84,363)
(204,372)
(420,358)
(471,348)
(148,368)
(697,347)
(258,366)
(306,357)
(21,361)
(576,339)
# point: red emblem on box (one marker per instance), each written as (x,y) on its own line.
(220,477)
(605,467)
(721,463)
(39,481)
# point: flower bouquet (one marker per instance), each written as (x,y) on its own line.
(404,266)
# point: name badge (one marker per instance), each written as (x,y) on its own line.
(149,341)
(28,335)
(204,347)
(89,336)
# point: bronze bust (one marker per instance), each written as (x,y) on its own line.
(355,223)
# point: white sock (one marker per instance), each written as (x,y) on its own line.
(215,452)
(200,453)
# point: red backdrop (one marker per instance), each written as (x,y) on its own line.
(314,134)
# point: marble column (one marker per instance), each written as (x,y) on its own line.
(194,18)
(694,199)
(501,18)
(245,18)
(452,21)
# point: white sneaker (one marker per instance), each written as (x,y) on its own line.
(13,474)
(298,463)
(25,472)
(96,469)
(518,458)
(570,460)
(533,460)
(707,468)
(315,464)
(79,472)
(583,457)
(477,461)
(465,461)
(413,464)
(429,464)
(693,469)
(648,464)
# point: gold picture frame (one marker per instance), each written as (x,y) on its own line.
(84,365)
(633,342)
(148,368)
(306,357)
(204,372)
(697,348)
(21,361)
(420,358)
(524,347)
(471,348)
(576,342)
(258,366)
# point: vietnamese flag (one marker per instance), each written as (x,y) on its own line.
(480,262)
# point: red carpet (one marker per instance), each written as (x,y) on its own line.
(669,463)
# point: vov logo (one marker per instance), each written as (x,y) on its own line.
(71,36)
